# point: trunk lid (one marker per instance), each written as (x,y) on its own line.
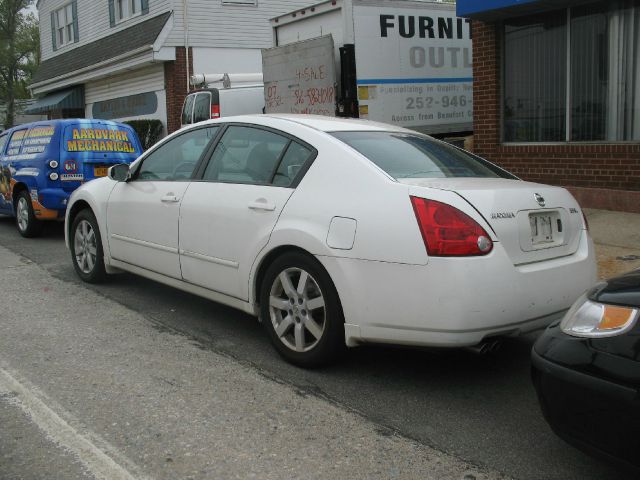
(533,222)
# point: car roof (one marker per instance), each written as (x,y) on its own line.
(317,122)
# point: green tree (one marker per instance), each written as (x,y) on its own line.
(19,53)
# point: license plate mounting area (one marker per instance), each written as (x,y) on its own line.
(100,171)
(545,227)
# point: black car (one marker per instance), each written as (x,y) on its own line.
(586,370)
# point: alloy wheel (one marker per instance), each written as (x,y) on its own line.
(85,246)
(22,214)
(297,309)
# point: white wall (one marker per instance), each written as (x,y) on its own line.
(212,24)
(93,22)
(226,60)
(143,80)
(131,83)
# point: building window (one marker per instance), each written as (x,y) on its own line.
(573,76)
(127,9)
(63,21)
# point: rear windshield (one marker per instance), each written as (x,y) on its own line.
(101,139)
(407,155)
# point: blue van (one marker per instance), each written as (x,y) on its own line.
(42,163)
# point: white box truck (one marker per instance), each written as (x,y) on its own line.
(404,62)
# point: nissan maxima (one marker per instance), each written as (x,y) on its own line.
(337,233)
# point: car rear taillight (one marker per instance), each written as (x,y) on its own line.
(448,232)
(215,111)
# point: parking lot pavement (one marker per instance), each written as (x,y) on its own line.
(112,395)
(25,452)
(617,239)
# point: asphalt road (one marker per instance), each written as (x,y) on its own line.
(480,409)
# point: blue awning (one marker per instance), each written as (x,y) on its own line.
(72,98)
(471,7)
(491,10)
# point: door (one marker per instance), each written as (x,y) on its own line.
(227,216)
(142,214)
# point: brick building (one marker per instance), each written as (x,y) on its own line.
(557,94)
(131,59)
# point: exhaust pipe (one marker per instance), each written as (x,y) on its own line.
(486,347)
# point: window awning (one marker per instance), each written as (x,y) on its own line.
(71,98)
(492,10)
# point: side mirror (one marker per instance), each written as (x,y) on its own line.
(119,172)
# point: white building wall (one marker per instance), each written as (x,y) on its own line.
(130,83)
(212,24)
(226,60)
(93,22)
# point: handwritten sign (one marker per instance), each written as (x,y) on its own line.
(300,78)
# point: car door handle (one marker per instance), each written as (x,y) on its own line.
(170,199)
(262,204)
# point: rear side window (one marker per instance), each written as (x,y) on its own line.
(202,107)
(187,109)
(292,162)
(38,139)
(15,142)
(406,155)
(246,155)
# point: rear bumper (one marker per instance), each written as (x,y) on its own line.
(457,301)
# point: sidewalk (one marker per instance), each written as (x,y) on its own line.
(116,396)
(617,239)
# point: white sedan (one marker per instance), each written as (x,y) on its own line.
(337,233)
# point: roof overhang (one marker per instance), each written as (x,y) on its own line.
(494,10)
(153,51)
(129,61)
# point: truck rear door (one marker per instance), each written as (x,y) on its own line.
(300,77)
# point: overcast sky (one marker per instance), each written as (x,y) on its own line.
(33,9)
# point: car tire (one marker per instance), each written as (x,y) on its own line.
(301,312)
(86,248)
(26,222)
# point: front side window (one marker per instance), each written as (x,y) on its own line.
(246,155)
(407,155)
(63,25)
(573,75)
(177,158)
